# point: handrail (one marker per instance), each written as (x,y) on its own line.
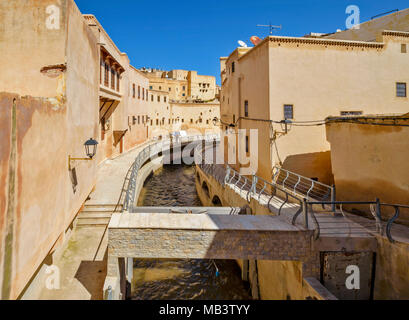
(258,187)
(153,150)
(377,215)
(303,186)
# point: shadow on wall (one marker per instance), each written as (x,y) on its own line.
(315,165)
(369,190)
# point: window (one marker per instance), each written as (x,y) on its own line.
(233,66)
(170,89)
(288,111)
(150,87)
(158,98)
(118,88)
(191,120)
(139,92)
(160,88)
(106,76)
(113,76)
(164,99)
(403,48)
(147,94)
(234,118)
(247,144)
(183,95)
(152,97)
(351,113)
(133,90)
(157,121)
(139,119)
(143,93)
(246,108)
(184,88)
(401,89)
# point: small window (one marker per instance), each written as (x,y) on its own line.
(170,89)
(288,111)
(139,92)
(233,67)
(152,97)
(150,87)
(164,98)
(234,119)
(184,88)
(247,144)
(246,108)
(158,98)
(139,119)
(351,113)
(403,48)
(133,90)
(401,89)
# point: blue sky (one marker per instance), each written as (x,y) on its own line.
(192,35)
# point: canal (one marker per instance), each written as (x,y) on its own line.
(182,279)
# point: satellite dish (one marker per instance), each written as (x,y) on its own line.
(255,40)
(242,44)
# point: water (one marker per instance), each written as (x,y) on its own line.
(182,279)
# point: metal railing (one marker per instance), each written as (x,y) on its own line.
(255,187)
(375,209)
(151,151)
(303,186)
(301,190)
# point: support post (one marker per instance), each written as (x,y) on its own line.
(305,213)
(333,198)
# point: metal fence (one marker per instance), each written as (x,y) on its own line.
(302,191)
(303,186)
(149,152)
(382,225)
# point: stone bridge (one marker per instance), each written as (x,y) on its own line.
(198,236)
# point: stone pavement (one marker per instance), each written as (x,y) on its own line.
(83,262)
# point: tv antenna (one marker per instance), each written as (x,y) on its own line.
(270,26)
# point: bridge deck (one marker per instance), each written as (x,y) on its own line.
(199,222)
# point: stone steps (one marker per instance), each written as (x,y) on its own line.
(96,215)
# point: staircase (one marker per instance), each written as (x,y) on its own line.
(96,215)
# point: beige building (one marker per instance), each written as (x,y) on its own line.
(305,80)
(195,116)
(63,81)
(368,157)
(183,85)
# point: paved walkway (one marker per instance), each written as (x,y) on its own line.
(83,262)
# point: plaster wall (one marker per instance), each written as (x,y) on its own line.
(40,196)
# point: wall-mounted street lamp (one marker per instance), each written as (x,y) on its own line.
(286,125)
(90,150)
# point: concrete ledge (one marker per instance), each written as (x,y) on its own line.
(199,222)
(315,290)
